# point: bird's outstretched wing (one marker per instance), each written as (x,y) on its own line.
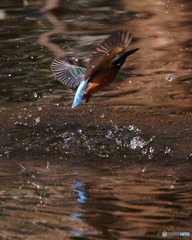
(107,50)
(66,72)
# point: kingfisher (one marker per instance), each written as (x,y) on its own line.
(104,64)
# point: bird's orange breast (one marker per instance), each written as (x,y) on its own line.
(101,81)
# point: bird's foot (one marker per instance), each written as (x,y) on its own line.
(88,97)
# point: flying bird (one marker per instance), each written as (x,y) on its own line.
(102,69)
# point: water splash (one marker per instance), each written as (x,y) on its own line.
(169,77)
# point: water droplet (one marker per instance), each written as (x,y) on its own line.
(37,120)
(75,59)
(102,115)
(167,150)
(35,94)
(169,78)
(80,131)
(131,127)
(151,149)
(144,151)
(137,142)
(167,11)
(39,108)
(36,185)
(150,156)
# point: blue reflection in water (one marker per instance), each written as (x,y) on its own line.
(80,199)
(77,233)
(81,194)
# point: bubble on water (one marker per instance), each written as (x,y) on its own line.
(167,11)
(169,77)
(39,108)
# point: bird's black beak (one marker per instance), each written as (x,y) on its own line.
(120,61)
(128,53)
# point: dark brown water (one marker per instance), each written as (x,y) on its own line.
(118,167)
